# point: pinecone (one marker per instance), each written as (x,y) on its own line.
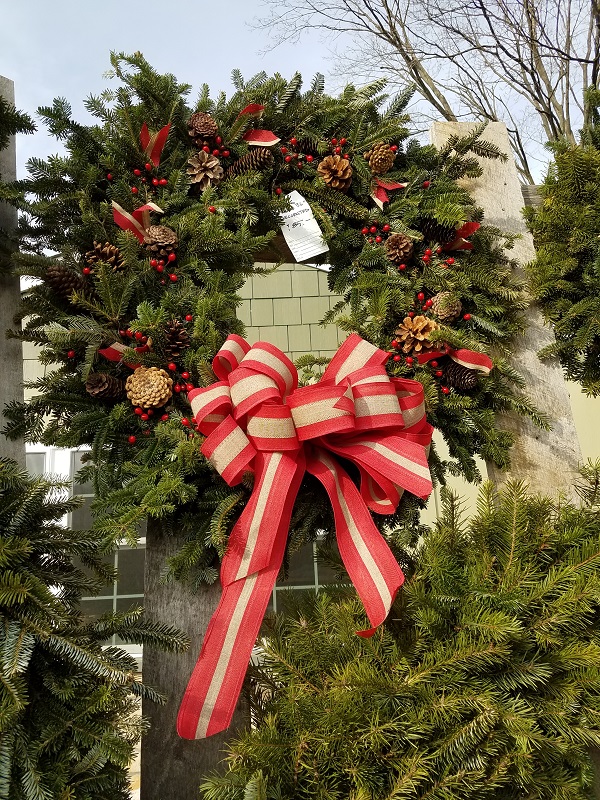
(64,280)
(434,231)
(107,253)
(149,387)
(336,172)
(380,158)
(459,377)
(399,248)
(204,170)
(160,240)
(257,159)
(446,306)
(178,339)
(202,128)
(104,386)
(414,334)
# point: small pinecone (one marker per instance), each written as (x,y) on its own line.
(399,248)
(446,306)
(380,158)
(104,386)
(204,170)
(160,240)
(149,387)
(107,253)
(202,128)
(459,377)
(178,339)
(256,160)
(434,231)
(414,334)
(336,172)
(64,281)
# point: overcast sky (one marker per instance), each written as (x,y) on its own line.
(60,48)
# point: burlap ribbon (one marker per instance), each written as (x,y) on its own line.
(256,418)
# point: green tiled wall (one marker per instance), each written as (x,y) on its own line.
(285,308)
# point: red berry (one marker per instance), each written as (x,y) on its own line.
(146,432)
(161,263)
(144,180)
(177,388)
(148,167)
(450,261)
(134,190)
(173,277)
(409,360)
(424,308)
(139,335)
(373,229)
(216,152)
(144,339)
(300,165)
(189,318)
(131,439)
(185,375)
(334,141)
(160,268)
(154,181)
(394,148)
(71,354)
(427,252)
(171,257)
(364,231)
(171,366)
(123,333)
(394,343)
(294,141)
(137,172)
(109,177)
(378,239)
(185,421)
(439,373)
(150,412)
(370,240)
(164,418)
(386,228)
(139,411)
(86,270)
(401,266)
(337,151)
(434,363)
(343,141)
(218,140)
(206,148)
(153,262)
(466,317)
(212,209)
(310,159)
(163,181)
(397,358)
(287,159)
(346,156)
(426,184)
(411,314)
(189,387)
(225,153)
(145,417)
(428,303)
(421,296)
(439,251)
(129,333)
(445,390)
(278,190)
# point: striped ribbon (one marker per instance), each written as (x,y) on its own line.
(137,221)
(256,418)
(153,144)
(114,352)
(467,358)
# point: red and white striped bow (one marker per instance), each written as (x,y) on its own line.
(257,418)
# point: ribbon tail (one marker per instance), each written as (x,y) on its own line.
(216,682)
(369,561)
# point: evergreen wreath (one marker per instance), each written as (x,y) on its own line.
(130,315)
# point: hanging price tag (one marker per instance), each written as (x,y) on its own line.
(301,230)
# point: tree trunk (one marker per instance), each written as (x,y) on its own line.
(173,767)
(11,350)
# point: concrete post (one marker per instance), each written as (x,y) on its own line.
(11,350)
(546,460)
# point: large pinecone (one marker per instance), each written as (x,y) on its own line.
(107,253)
(202,128)
(178,339)
(459,377)
(399,248)
(149,387)
(160,240)
(446,306)
(104,386)
(336,172)
(64,280)
(204,170)
(257,159)
(434,231)
(380,158)
(414,334)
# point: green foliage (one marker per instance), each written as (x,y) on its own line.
(484,685)
(565,276)
(69,717)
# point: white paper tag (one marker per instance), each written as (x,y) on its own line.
(301,230)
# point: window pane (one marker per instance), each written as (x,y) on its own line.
(108,559)
(94,607)
(129,603)
(131,571)
(81,518)
(79,488)
(302,568)
(35,463)
(287,600)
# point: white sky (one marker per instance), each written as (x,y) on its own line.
(60,48)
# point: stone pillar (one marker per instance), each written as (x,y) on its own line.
(11,350)
(547,460)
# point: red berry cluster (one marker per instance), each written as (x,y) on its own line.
(294,157)
(144,178)
(374,232)
(219,150)
(338,147)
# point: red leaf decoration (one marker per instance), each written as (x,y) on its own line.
(261,137)
(253,110)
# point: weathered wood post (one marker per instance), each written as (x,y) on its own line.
(11,350)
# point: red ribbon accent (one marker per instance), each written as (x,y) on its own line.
(114,352)
(133,222)
(460,237)
(153,145)
(468,358)
(253,110)
(380,193)
(258,136)
(256,418)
